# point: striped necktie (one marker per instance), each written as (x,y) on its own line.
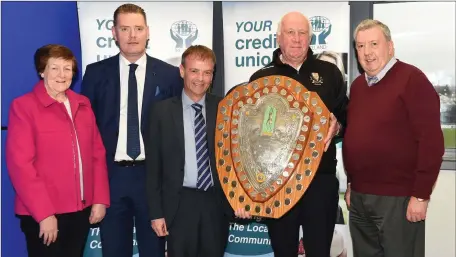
(202,154)
(371,80)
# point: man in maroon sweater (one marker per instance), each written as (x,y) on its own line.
(392,149)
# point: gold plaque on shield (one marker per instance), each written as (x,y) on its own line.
(269,143)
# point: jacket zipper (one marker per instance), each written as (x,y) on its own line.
(74,161)
(81,175)
(74,158)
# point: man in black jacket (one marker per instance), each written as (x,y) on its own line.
(316,211)
(186,201)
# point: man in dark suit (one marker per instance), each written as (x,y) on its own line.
(121,90)
(186,201)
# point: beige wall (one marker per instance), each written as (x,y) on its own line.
(441,220)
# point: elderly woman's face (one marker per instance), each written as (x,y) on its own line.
(58,75)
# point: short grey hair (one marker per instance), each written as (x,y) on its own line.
(279,26)
(369,23)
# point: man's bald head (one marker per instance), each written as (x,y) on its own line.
(294,17)
(293,37)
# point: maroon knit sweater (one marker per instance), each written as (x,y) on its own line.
(393,142)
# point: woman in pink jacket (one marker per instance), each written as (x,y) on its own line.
(56,160)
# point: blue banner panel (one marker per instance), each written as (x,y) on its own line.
(26,26)
(13,241)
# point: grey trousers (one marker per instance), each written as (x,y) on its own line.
(379,227)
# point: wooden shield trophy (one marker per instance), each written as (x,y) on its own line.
(269,143)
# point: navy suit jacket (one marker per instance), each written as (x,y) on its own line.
(101,84)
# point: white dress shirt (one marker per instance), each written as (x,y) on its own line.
(124,69)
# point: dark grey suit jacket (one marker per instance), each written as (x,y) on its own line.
(165,157)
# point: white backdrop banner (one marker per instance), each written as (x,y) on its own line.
(249,31)
(173,27)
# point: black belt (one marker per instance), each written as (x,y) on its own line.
(130,163)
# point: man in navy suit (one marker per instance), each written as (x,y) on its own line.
(121,90)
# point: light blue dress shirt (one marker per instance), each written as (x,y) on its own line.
(383,72)
(190,167)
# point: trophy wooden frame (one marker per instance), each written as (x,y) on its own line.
(268,143)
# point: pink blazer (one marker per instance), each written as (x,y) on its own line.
(42,156)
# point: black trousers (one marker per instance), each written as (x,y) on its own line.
(71,238)
(379,227)
(316,212)
(199,228)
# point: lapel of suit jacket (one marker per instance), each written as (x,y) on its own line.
(178,116)
(150,85)
(115,71)
(211,117)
